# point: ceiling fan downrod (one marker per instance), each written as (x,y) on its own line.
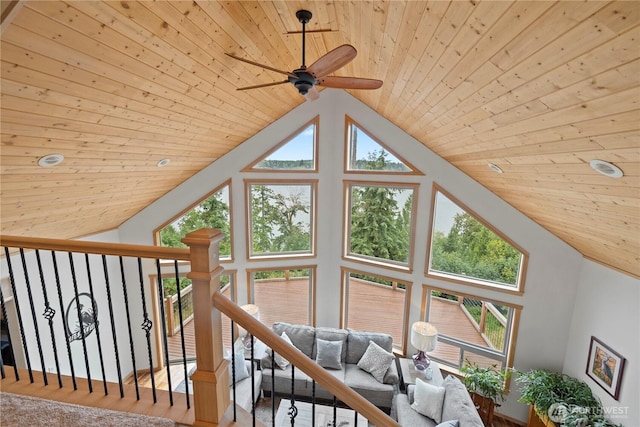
(304,16)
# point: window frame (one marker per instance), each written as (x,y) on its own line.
(316,122)
(348,151)
(507,356)
(481,283)
(347,255)
(313,184)
(312,285)
(226,183)
(400,348)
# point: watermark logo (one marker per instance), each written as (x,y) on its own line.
(557,412)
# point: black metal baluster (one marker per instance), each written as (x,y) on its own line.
(233,371)
(19,315)
(355,419)
(313,403)
(293,411)
(184,351)
(64,326)
(13,355)
(253,389)
(48,314)
(163,322)
(131,346)
(273,389)
(34,317)
(113,323)
(147,325)
(2,374)
(96,324)
(80,322)
(335,410)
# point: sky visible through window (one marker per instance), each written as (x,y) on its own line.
(300,147)
(365,145)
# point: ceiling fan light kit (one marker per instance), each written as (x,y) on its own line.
(305,79)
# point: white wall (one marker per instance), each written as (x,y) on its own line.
(606,306)
(553,274)
(67,289)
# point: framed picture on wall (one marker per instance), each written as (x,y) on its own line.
(605,367)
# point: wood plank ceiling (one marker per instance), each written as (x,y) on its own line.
(538,88)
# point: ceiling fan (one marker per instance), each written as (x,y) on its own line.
(305,79)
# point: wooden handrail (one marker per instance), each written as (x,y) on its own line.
(302,362)
(118,249)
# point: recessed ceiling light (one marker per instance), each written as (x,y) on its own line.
(163,163)
(606,168)
(50,160)
(495,167)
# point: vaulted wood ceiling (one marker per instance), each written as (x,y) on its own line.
(537,88)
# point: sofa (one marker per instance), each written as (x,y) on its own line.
(449,405)
(361,360)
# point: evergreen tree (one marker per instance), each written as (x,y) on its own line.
(378,227)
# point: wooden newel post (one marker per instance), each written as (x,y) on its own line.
(211,378)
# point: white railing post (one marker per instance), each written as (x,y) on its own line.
(211,378)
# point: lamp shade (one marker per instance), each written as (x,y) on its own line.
(254,311)
(424,336)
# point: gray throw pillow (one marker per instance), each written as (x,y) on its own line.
(240,366)
(376,361)
(329,353)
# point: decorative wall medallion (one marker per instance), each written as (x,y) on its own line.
(87,321)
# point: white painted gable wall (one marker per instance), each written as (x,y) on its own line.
(555,271)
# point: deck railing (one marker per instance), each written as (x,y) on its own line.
(80,312)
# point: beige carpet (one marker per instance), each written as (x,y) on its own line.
(19,411)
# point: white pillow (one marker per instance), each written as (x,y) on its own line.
(376,360)
(240,366)
(428,400)
(452,423)
(280,361)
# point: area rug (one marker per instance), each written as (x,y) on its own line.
(18,411)
(264,414)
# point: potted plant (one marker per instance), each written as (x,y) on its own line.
(561,398)
(486,386)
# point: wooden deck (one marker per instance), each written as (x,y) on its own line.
(371,307)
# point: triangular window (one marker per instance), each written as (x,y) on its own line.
(297,153)
(366,154)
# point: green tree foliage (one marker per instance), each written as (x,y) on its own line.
(169,285)
(211,213)
(471,249)
(379,228)
(275,220)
